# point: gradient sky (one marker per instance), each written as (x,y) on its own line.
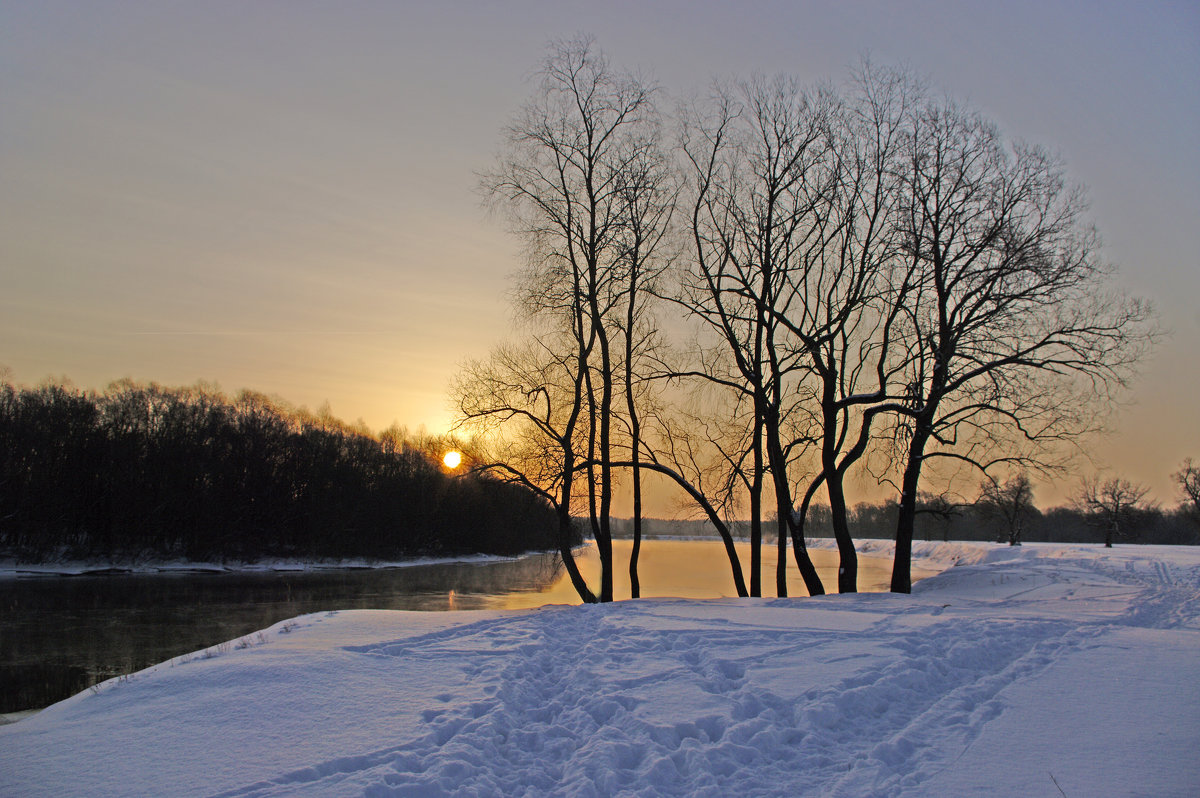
(281,195)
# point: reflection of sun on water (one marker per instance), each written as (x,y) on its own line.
(452,459)
(699,569)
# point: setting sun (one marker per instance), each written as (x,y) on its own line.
(452,459)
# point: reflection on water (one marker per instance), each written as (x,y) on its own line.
(700,569)
(58,635)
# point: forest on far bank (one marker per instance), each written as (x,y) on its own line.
(974,521)
(146,471)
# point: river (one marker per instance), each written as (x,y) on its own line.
(61,634)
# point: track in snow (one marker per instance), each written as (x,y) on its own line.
(645,698)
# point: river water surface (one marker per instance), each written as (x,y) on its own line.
(61,634)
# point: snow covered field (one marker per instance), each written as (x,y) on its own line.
(1044,670)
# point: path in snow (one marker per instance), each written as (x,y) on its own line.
(867,695)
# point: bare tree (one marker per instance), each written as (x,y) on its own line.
(847,291)
(648,191)
(1009,502)
(747,154)
(576,161)
(1014,337)
(1188,477)
(795,202)
(534,397)
(853,258)
(1112,502)
(686,460)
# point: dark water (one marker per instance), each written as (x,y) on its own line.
(61,634)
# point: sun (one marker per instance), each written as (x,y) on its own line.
(452,459)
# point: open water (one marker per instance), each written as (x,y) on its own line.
(61,634)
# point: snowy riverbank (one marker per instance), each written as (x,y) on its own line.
(1040,670)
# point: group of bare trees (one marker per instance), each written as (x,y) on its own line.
(585,184)
(778,286)
(1114,503)
(1115,506)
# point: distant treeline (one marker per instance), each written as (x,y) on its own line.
(966,522)
(144,470)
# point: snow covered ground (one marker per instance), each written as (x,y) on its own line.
(1044,670)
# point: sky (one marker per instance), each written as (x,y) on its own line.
(282,195)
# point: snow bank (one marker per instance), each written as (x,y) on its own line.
(1039,670)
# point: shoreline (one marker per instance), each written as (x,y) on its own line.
(9,569)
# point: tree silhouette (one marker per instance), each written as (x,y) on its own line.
(1010,502)
(1188,478)
(1112,503)
(534,396)
(870,275)
(583,183)
(1014,334)
(747,156)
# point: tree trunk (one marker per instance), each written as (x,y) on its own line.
(783,505)
(756,483)
(781,563)
(808,571)
(635,586)
(902,563)
(848,557)
(564,540)
(605,545)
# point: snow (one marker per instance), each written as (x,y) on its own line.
(1042,670)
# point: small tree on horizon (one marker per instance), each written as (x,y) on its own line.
(1188,478)
(941,507)
(1010,503)
(1112,503)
